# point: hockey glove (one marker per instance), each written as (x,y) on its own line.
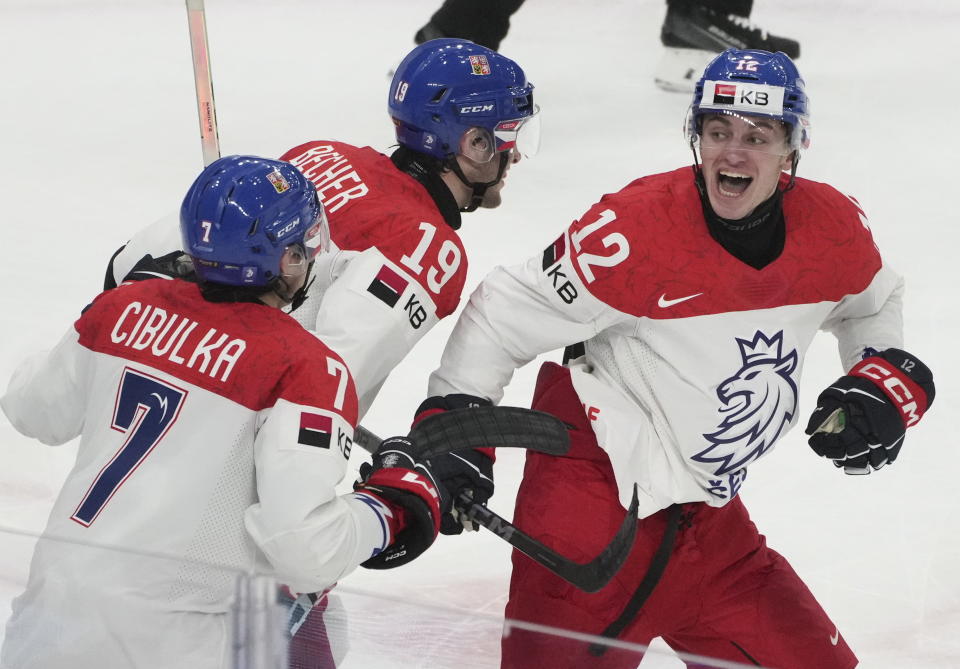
(174,265)
(408,488)
(860,420)
(464,472)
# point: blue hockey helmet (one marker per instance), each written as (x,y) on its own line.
(445,87)
(751,82)
(242,214)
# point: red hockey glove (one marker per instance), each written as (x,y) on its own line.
(464,472)
(407,486)
(860,420)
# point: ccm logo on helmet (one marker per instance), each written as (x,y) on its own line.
(895,388)
(476,109)
(288,228)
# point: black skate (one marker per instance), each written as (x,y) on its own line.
(693,36)
(427,33)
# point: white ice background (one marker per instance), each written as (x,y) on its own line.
(100,137)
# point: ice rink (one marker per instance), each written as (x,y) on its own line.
(100,137)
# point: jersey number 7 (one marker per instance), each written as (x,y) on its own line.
(145,409)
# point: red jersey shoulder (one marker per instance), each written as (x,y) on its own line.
(829,231)
(337,170)
(357,185)
(627,246)
(243,351)
(317,376)
(392,213)
(647,207)
(836,214)
(647,251)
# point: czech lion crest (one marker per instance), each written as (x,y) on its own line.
(757,404)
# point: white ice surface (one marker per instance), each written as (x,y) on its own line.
(100,137)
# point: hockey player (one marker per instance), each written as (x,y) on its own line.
(398,264)
(464,115)
(689,300)
(212,425)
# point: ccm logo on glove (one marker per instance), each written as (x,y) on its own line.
(909,398)
(413,477)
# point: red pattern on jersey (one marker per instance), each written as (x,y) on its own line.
(370,203)
(828,252)
(280,359)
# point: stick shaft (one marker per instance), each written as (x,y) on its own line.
(206,110)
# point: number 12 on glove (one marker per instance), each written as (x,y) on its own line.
(860,420)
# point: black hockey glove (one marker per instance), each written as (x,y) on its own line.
(174,265)
(407,486)
(860,420)
(464,472)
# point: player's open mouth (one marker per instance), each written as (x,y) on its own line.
(732,184)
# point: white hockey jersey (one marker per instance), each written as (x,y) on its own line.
(397,268)
(692,358)
(213,435)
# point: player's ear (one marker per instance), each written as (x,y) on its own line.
(477,145)
(788,159)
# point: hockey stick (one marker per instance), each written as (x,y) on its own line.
(463,429)
(207,112)
(589,577)
(515,427)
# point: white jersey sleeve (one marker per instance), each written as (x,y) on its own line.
(311,536)
(44,398)
(872,319)
(514,315)
(346,310)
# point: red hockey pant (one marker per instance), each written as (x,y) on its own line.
(724,593)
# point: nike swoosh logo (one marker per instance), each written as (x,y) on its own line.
(664,302)
(835,637)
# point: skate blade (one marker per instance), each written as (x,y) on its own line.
(679,70)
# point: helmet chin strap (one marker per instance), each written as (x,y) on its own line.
(300,296)
(478,188)
(793,171)
(698,173)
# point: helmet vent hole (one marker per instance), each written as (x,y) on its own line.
(253,227)
(438,95)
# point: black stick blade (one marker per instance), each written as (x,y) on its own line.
(494,426)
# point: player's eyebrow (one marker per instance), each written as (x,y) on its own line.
(724,119)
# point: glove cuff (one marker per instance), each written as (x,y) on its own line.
(396,516)
(904,393)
